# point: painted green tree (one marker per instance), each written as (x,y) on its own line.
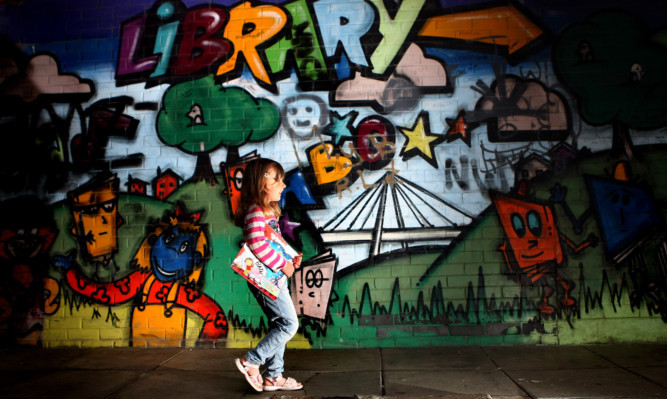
(199,117)
(616,68)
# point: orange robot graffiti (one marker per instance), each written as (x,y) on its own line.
(95,211)
(532,248)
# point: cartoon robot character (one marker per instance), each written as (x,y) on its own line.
(533,247)
(94,208)
(170,262)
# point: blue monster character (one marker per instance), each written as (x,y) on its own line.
(174,254)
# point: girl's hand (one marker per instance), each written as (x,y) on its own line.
(296,261)
(288,269)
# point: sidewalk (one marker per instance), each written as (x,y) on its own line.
(590,371)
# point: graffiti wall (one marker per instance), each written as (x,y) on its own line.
(458,172)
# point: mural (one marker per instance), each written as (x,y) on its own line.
(169,264)
(460,172)
(533,247)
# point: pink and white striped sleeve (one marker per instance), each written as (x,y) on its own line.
(253,233)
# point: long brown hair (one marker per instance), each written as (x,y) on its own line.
(252,188)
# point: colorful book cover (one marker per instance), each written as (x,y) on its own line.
(257,273)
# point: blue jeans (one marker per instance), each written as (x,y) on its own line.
(283,325)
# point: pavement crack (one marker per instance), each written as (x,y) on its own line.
(382,388)
(516,382)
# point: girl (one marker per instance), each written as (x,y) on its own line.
(261,188)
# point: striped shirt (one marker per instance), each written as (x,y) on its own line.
(253,233)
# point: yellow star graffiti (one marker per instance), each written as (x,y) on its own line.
(419,139)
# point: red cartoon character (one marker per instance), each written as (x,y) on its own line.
(27,293)
(532,248)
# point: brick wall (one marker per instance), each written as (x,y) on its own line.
(459,173)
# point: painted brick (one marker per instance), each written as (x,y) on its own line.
(464,164)
(83,334)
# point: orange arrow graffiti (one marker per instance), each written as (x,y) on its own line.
(504,25)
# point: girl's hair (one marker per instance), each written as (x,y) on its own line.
(252,188)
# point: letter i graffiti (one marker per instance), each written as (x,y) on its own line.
(165,39)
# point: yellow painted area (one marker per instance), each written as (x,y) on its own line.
(58,327)
(151,327)
(328,167)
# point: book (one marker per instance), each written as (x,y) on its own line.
(257,273)
(311,284)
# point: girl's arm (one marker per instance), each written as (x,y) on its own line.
(253,233)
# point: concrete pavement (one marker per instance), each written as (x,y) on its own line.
(590,371)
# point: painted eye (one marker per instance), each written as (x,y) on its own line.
(534,223)
(90,210)
(184,247)
(518,224)
(169,238)
(108,207)
(238,179)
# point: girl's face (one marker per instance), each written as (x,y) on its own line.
(273,185)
